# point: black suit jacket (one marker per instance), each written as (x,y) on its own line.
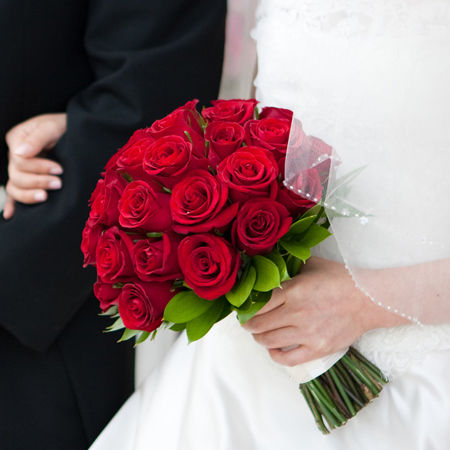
(114,66)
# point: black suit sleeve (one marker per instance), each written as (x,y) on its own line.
(147,57)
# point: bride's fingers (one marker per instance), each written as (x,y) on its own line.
(276,339)
(275,301)
(293,357)
(271,320)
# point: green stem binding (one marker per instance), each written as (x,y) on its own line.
(338,394)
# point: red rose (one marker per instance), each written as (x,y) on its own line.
(249,172)
(199,204)
(259,225)
(182,122)
(190,105)
(145,207)
(230,111)
(136,136)
(168,158)
(224,138)
(209,264)
(106,294)
(105,199)
(91,235)
(130,161)
(156,259)
(297,203)
(276,113)
(271,133)
(113,255)
(141,305)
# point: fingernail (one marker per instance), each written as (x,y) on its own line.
(56,171)
(40,196)
(55,184)
(23,149)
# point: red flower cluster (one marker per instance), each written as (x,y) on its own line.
(182,199)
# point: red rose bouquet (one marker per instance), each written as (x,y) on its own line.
(191,221)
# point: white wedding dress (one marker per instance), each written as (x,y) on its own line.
(224,392)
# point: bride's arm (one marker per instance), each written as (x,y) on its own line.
(322,311)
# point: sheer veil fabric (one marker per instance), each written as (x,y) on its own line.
(367,77)
(379,96)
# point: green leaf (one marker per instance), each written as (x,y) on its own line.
(255,302)
(241,290)
(129,334)
(345,180)
(154,234)
(117,325)
(300,226)
(188,136)
(140,339)
(314,211)
(227,308)
(127,176)
(185,306)
(112,311)
(199,326)
(315,235)
(178,327)
(267,274)
(275,257)
(296,249)
(293,265)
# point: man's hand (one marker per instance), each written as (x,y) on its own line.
(30,174)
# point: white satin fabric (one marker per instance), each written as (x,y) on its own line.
(224,392)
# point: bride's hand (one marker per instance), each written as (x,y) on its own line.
(319,312)
(30,176)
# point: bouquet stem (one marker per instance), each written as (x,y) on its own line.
(338,394)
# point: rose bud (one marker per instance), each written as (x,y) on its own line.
(260,223)
(106,294)
(113,255)
(270,112)
(230,111)
(249,172)
(141,305)
(156,259)
(199,204)
(91,235)
(224,138)
(308,182)
(168,158)
(272,134)
(144,207)
(105,199)
(209,264)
